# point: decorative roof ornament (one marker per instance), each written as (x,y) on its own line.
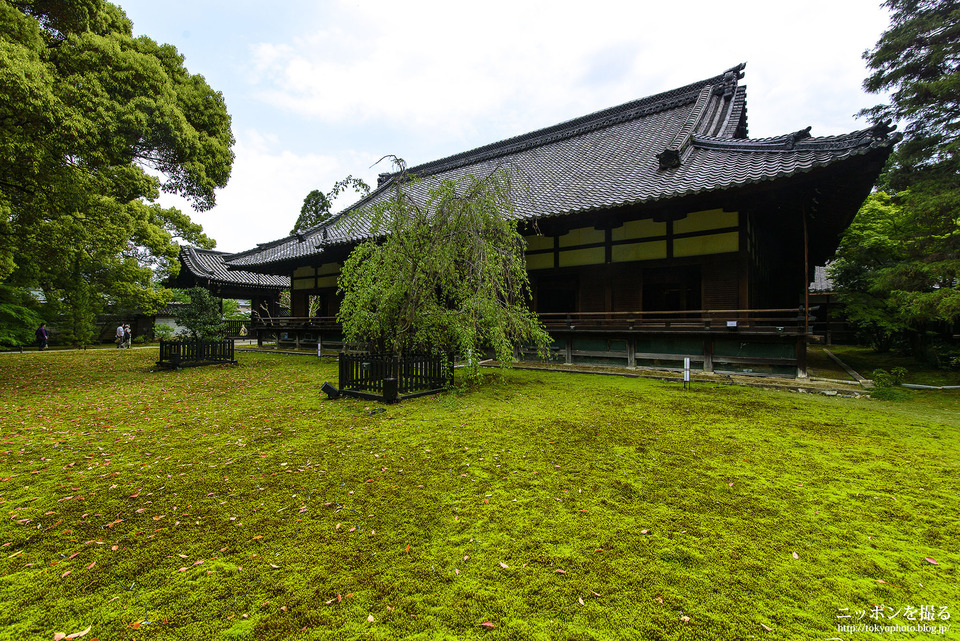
(669,159)
(882,129)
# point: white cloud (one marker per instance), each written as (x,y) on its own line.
(443,69)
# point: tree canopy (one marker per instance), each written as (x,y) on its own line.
(94,123)
(200,315)
(445,272)
(317,206)
(918,276)
(869,253)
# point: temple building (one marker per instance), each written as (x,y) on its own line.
(656,231)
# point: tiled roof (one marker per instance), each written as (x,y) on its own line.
(208,265)
(675,144)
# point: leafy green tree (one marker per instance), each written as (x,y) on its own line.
(442,273)
(317,205)
(918,61)
(870,251)
(231,310)
(93,124)
(19,316)
(201,316)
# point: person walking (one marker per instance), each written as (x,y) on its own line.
(119,340)
(127,336)
(42,336)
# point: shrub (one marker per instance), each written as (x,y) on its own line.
(163,331)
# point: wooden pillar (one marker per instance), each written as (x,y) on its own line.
(708,354)
(802,341)
(569,350)
(631,352)
(801,356)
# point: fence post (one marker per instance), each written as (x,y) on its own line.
(390,391)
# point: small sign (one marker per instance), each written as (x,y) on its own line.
(686,369)
(731,323)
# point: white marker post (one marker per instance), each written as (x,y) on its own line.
(686,372)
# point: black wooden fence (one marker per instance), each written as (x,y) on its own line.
(389,378)
(179,353)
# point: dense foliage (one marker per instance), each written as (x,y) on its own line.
(317,205)
(918,61)
(93,124)
(18,316)
(200,315)
(869,255)
(443,271)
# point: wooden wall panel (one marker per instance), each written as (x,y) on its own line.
(721,285)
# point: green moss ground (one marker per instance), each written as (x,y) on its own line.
(238,503)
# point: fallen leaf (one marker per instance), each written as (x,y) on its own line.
(504,565)
(796,556)
(595,594)
(685,619)
(77,635)
(65,574)
(768,629)
(90,567)
(488,624)
(369,618)
(931,560)
(59,636)
(182,570)
(559,571)
(580,600)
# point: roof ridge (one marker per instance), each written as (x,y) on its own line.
(799,140)
(590,122)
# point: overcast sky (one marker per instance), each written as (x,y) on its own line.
(319,89)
